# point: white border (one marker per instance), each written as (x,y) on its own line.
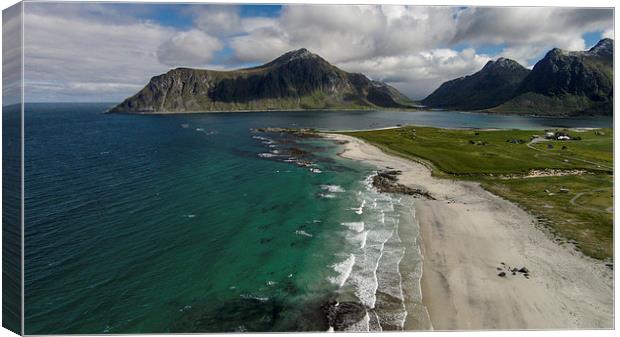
(492,3)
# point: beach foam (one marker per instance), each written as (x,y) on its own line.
(304,233)
(267,155)
(344,269)
(333,188)
(377,252)
(356,226)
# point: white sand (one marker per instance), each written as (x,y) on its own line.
(467,232)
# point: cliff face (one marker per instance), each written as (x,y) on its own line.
(562,83)
(296,80)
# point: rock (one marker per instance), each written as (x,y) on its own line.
(385,182)
(296,152)
(523,270)
(344,314)
(502,274)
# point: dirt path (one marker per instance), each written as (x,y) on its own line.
(540,140)
(573,201)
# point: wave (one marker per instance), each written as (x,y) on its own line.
(333,188)
(304,233)
(344,269)
(377,251)
(360,210)
(356,226)
(252,297)
(364,239)
(267,155)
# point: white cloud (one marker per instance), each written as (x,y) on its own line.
(62,51)
(348,33)
(11,55)
(95,52)
(528,32)
(382,41)
(418,74)
(219,20)
(609,33)
(193,48)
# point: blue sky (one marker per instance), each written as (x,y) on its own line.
(107,51)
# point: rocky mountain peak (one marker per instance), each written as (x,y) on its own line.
(604,47)
(502,63)
(294,55)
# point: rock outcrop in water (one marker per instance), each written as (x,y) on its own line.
(386,182)
(296,80)
(342,315)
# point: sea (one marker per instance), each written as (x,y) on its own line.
(204,223)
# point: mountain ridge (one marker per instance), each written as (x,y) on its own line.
(496,82)
(561,83)
(298,79)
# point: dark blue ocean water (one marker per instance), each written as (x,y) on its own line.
(192,223)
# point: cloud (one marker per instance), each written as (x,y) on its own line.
(528,32)
(348,33)
(418,74)
(219,20)
(608,33)
(11,55)
(61,51)
(193,48)
(96,52)
(417,47)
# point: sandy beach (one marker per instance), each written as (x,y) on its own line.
(468,233)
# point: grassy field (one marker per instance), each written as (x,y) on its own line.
(496,152)
(575,207)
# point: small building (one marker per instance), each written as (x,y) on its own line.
(550,135)
(562,136)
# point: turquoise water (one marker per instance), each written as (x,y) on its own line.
(196,223)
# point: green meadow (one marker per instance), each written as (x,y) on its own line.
(577,208)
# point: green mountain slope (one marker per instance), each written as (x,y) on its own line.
(296,80)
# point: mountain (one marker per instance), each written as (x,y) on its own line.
(496,83)
(296,80)
(568,83)
(562,83)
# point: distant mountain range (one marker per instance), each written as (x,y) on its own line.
(296,80)
(562,83)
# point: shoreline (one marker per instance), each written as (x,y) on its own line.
(469,236)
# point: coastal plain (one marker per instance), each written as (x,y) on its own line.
(475,242)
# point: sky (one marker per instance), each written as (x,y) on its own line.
(105,52)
